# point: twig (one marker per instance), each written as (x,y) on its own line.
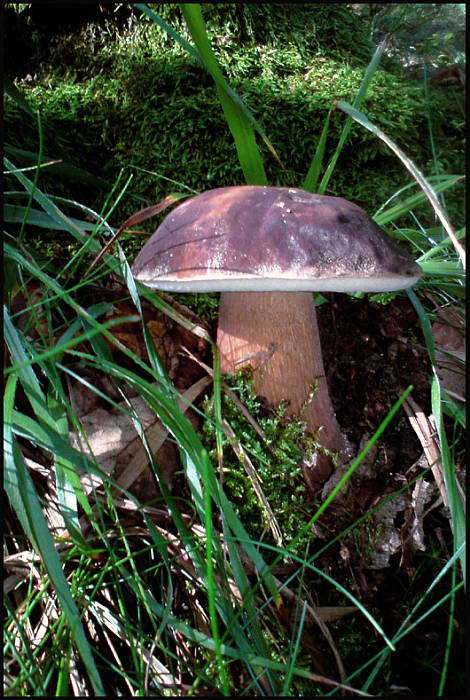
(427,436)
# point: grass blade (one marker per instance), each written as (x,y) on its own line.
(242,131)
(67,486)
(54,212)
(385,216)
(455,502)
(26,375)
(358,100)
(217,77)
(15,214)
(66,170)
(210,578)
(23,497)
(313,174)
(419,177)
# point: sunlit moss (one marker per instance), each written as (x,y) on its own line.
(277,461)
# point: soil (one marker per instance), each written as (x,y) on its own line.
(372,352)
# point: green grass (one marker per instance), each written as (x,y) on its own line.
(180,595)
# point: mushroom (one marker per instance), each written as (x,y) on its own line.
(267,249)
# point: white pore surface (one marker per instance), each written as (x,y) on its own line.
(282,284)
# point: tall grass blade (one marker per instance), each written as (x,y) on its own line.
(294,646)
(354,465)
(67,481)
(325,504)
(455,503)
(450,629)
(386,215)
(23,498)
(408,624)
(46,437)
(35,182)
(454,410)
(24,372)
(210,578)
(201,639)
(223,84)
(196,463)
(14,255)
(358,100)
(242,131)
(62,169)
(54,212)
(15,214)
(439,248)
(239,574)
(409,165)
(311,179)
(155,17)
(165,384)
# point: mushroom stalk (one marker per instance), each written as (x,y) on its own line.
(276,333)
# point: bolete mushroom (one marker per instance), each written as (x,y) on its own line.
(267,249)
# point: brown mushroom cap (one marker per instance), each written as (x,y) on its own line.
(256,238)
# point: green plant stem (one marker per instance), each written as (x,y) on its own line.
(445,664)
(35,182)
(210,581)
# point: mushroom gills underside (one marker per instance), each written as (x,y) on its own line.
(280,284)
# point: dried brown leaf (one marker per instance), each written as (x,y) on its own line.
(426,432)
(413,528)
(113,440)
(385,539)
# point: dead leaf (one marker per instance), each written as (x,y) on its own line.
(85,399)
(412,530)
(168,336)
(425,430)
(422,493)
(383,535)
(329,613)
(113,440)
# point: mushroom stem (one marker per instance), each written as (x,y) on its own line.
(277,334)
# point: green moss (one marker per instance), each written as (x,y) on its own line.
(135,99)
(276,459)
(205,304)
